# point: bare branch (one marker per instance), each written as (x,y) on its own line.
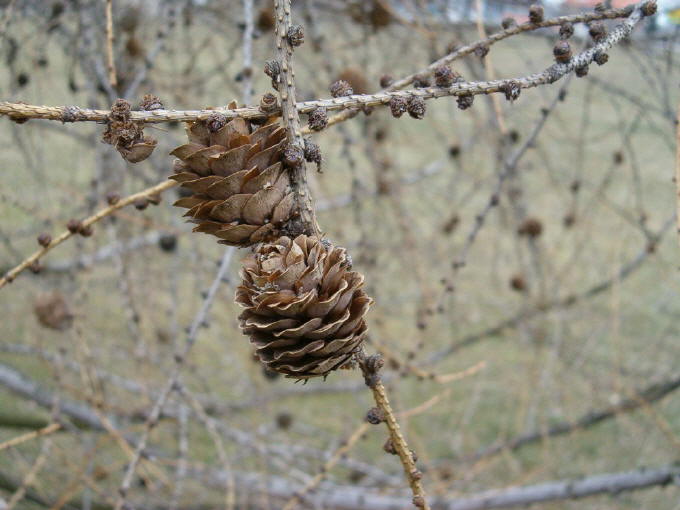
(20,111)
(677,172)
(87,222)
(650,394)
(110,62)
(357,498)
(291,117)
(370,367)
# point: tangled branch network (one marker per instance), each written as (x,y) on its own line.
(244,175)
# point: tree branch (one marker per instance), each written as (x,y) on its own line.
(358,498)
(489,41)
(677,172)
(646,396)
(19,384)
(566,302)
(110,62)
(370,367)
(291,118)
(91,220)
(20,111)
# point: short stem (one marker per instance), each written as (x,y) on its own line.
(291,118)
(110,62)
(370,370)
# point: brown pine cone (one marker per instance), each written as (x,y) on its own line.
(303,307)
(53,311)
(127,136)
(240,189)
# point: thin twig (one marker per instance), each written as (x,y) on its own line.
(508,169)
(646,396)
(29,435)
(488,66)
(291,117)
(150,59)
(110,63)
(211,426)
(29,478)
(566,302)
(91,220)
(39,462)
(487,42)
(312,484)
(677,171)
(182,456)
(247,71)
(370,367)
(20,111)
(172,381)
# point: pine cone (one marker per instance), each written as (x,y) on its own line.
(241,191)
(304,308)
(53,311)
(127,136)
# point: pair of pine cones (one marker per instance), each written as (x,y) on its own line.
(303,306)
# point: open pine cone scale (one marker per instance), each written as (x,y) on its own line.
(303,309)
(240,190)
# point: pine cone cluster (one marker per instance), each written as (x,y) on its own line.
(303,306)
(240,191)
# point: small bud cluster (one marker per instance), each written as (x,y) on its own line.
(296,35)
(397,106)
(44,239)
(562,52)
(112,198)
(531,227)
(386,80)
(76,227)
(444,76)
(313,153)
(167,242)
(416,107)
(341,88)
(70,114)
(370,367)
(508,23)
(518,283)
(150,103)
(318,119)
(422,81)
(601,58)
(512,90)
(293,155)
(597,31)
(269,103)
(566,30)
(215,122)
(375,416)
(536,13)
(581,70)
(465,101)
(272,68)
(482,50)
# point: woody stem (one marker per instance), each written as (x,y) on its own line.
(291,119)
(370,369)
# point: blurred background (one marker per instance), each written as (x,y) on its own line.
(522,257)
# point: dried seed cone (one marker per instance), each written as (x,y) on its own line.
(240,189)
(303,307)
